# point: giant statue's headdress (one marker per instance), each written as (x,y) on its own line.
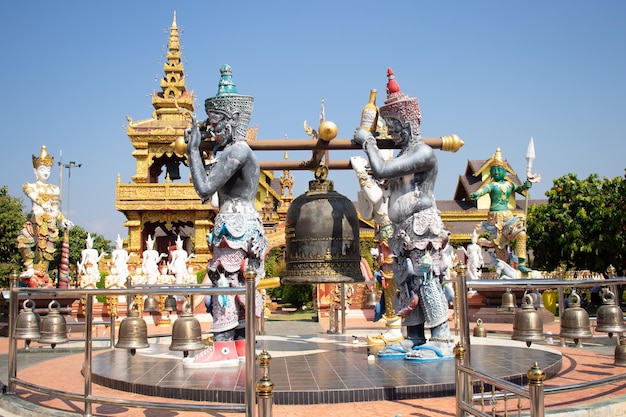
(43,159)
(230,102)
(496,159)
(400,106)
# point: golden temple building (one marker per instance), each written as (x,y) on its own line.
(161,201)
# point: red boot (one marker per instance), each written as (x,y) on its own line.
(223,353)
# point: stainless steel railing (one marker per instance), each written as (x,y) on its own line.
(248,407)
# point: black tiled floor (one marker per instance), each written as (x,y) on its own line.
(309,370)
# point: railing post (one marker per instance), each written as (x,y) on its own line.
(461,383)
(536,378)
(464,336)
(13,310)
(88,352)
(343,308)
(265,386)
(250,275)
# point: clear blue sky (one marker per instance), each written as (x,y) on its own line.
(494,72)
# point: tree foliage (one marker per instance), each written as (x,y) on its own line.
(583,226)
(12,220)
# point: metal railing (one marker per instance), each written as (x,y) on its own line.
(496,394)
(89,399)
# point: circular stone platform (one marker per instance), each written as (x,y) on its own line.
(314,369)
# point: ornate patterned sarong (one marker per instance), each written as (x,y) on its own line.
(236,242)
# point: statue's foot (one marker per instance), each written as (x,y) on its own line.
(28,273)
(524,269)
(387,338)
(431,350)
(397,350)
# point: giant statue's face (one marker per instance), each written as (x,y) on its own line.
(221,127)
(498,172)
(42,172)
(398,132)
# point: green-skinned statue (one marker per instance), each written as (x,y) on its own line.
(501,224)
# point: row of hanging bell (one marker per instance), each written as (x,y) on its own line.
(609,317)
(527,323)
(480,330)
(151,304)
(186,331)
(50,329)
(575,322)
(133,333)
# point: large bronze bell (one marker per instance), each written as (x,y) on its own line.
(186,332)
(527,323)
(170,304)
(508,301)
(27,324)
(133,333)
(575,321)
(53,326)
(151,304)
(609,317)
(322,236)
(620,352)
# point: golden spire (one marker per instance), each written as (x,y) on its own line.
(174,93)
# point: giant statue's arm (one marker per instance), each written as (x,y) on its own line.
(521,188)
(419,159)
(208,182)
(480,192)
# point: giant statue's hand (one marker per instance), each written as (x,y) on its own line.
(474,196)
(528,185)
(358,163)
(361,135)
(193,137)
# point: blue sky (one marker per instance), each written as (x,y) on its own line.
(494,72)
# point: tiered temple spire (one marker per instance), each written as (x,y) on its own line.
(174,95)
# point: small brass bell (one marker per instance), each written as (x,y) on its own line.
(170,304)
(133,333)
(508,300)
(479,330)
(620,352)
(151,304)
(575,321)
(372,298)
(609,317)
(186,332)
(53,326)
(527,323)
(27,324)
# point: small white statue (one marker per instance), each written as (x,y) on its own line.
(88,273)
(178,264)
(119,270)
(475,260)
(150,263)
(119,258)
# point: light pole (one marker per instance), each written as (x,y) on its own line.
(69,167)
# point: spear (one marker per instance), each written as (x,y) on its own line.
(530,157)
